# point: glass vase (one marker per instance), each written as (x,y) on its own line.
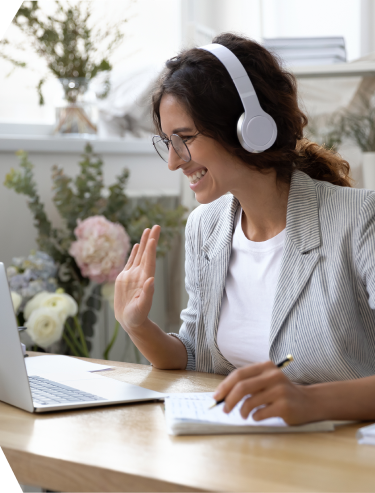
(76,115)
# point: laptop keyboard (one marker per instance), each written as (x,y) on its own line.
(46,391)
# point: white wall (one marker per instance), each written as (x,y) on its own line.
(367,27)
(155,32)
(305,18)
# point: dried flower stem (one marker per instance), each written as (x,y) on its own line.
(70,345)
(112,341)
(81,335)
(82,351)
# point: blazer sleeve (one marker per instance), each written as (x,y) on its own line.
(189,314)
(365,247)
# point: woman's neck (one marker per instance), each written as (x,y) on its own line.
(264,201)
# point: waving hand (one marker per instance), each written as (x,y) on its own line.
(134,286)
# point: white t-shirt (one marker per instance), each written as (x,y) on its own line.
(246,309)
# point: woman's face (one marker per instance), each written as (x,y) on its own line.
(212,171)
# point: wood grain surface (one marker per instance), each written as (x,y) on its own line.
(126,448)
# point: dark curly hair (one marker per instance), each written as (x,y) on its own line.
(202,84)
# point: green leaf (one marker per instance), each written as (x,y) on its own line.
(22,182)
(94,303)
(40,94)
(88,321)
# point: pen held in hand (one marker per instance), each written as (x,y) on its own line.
(285,362)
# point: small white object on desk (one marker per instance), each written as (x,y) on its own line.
(189,414)
(366,435)
(38,365)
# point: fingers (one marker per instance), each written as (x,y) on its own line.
(263,398)
(271,411)
(147,235)
(142,247)
(266,381)
(239,375)
(155,232)
(132,256)
(145,299)
(148,261)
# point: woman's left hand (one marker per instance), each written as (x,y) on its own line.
(270,388)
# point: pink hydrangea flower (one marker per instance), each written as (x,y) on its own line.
(101,248)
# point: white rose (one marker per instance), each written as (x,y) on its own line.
(16,300)
(34,303)
(63,303)
(44,326)
(11,271)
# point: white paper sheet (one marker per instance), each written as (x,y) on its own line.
(195,407)
(366,435)
(37,365)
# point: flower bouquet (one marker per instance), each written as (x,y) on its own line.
(74,262)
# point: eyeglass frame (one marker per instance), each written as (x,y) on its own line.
(167,141)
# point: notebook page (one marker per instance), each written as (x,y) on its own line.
(194,408)
(366,435)
(38,365)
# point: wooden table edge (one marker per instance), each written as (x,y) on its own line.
(61,475)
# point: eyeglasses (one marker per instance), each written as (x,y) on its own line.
(179,145)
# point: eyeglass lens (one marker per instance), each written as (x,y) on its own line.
(162,148)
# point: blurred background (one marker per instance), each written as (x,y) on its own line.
(328,44)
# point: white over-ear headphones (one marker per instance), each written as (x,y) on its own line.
(256,129)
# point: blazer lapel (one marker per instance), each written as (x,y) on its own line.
(216,252)
(299,257)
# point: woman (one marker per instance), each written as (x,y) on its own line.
(279,256)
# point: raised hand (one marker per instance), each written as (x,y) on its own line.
(134,287)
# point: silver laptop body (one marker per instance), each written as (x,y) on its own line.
(41,393)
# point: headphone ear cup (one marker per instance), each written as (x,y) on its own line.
(258,133)
(240,133)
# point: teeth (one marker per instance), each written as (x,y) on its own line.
(196,176)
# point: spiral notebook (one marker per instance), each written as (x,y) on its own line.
(189,414)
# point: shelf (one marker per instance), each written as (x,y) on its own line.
(36,137)
(51,144)
(355,69)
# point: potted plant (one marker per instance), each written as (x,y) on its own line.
(359,127)
(326,130)
(74,52)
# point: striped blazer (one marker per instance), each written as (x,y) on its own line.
(323,311)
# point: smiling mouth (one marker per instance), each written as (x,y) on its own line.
(195,177)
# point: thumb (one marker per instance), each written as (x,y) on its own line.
(149,286)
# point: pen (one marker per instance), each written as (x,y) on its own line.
(285,362)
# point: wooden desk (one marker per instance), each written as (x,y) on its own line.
(126,448)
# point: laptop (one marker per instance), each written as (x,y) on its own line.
(44,393)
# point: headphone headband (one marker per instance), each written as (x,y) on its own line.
(256,129)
